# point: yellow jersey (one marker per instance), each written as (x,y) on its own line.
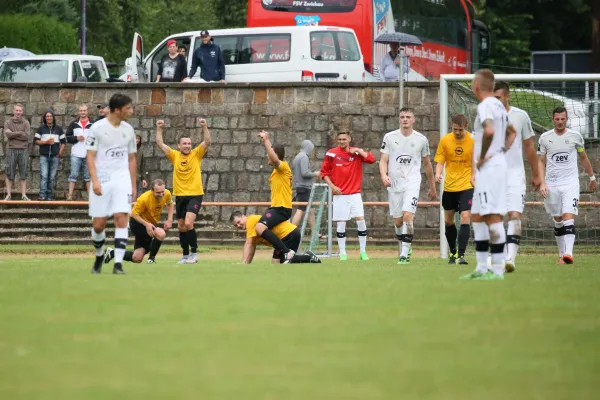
(187,172)
(458,157)
(149,207)
(281,186)
(281,230)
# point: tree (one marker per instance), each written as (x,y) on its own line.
(596,36)
(52,36)
(231,13)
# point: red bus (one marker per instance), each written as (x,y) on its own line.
(452,39)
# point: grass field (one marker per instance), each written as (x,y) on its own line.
(354,330)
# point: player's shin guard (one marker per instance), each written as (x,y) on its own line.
(497,241)
(98,240)
(341,236)
(513,238)
(463,239)
(451,234)
(183,242)
(399,236)
(559,235)
(482,245)
(270,237)
(407,238)
(569,236)
(120,244)
(193,240)
(154,247)
(361,227)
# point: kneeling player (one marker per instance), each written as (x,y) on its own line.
(144,218)
(287,232)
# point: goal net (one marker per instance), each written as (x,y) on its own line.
(538,95)
(316,225)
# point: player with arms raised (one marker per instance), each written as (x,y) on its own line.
(402,153)
(342,171)
(557,156)
(515,178)
(112,165)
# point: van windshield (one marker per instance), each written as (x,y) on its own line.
(34,71)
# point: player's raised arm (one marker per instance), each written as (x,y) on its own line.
(264,137)
(249,250)
(160,124)
(206,140)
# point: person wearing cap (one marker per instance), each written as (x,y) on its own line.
(103,111)
(210,60)
(172,67)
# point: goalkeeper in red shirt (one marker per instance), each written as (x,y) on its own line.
(342,171)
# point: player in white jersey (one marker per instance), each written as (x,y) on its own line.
(492,137)
(557,156)
(402,153)
(112,165)
(515,176)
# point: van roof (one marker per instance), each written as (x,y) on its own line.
(268,29)
(69,57)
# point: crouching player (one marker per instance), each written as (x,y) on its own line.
(144,221)
(287,232)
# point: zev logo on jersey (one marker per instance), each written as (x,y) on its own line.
(561,157)
(404,159)
(115,152)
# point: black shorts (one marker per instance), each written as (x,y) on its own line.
(302,194)
(274,216)
(142,239)
(186,204)
(457,201)
(291,241)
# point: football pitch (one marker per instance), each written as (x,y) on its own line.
(353,330)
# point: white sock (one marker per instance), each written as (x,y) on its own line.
(98,242)
(513,234)
(560,239)
(569,238)
(497,243)
(482,244)
(361,227)
(407,231)
(120,244)
(341,236)
(398,231)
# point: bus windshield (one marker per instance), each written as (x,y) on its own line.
(310,6)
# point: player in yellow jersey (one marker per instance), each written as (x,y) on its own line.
(144,224)
(281,198)
(455,151)
(187,186)
(287,232)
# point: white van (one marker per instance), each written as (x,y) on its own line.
(53,68)
(271,54)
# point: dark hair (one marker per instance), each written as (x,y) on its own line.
(486,79)
(118,101)
(406,110)
(343,133)
(234,215)
(501,85)
(184,136)
(280,151)
(559,110)
(158,182)
(182,47)
(460,120)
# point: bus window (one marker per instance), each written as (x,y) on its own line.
(320,6)
(265,48)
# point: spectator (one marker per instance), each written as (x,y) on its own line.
(51,139)
(17,131)
(389,68)
(141,172)
(173,66)
(210,60)
(303,180)
(182,50)
(103,111)
(76,134)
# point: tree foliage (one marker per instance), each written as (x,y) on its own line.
(58,37)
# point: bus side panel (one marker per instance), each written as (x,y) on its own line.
(433,59)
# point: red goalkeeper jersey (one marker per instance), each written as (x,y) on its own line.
(345,169)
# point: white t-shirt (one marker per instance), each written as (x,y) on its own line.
(405,154)
(491,109)
(561,156)
(519,119)
(112,146)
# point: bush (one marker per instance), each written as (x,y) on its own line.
(38,33)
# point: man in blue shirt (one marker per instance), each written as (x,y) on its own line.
(389,68)
(210,60)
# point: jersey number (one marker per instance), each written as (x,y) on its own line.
(414,202)
(575,203)
(484,198)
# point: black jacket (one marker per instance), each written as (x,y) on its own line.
(210,60)
(44,133)
(75,129)
(172,69)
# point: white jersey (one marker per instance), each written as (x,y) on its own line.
(561,156)
(112,146)
(491,109)
(519,119)
(405,153)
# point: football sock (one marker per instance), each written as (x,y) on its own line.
(154,247)
(128,256)
(98,240)
(569,237)
(120,244)
(361,227)
(559,235)
(482,245)
(183,241)
(463,239)
(513,238)
(193,240)
(451,234)
(407,238)
(497,242)
(399,236)
(341,236)
(270,237)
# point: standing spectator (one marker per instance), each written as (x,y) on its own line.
(182,50)
(389,68)
(141,172)
(77,132)
(173,66)
(303,180)
(210,60)
(17,131)
(51,139)
(103,111)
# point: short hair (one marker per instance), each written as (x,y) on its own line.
(280,151)
(182,47)
(501,85)
(184,136)
(485,77)
(157,182)
(82,105)
(406,110)
(460,120)
(18,105)
(235,214)
(343,133)
(118,101)
(559,110)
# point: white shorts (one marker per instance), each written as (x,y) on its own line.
(515,198)
(489,196)
(347,206)
(403,202)
(116,198)
(562,200)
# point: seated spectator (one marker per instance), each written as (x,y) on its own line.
(51,139)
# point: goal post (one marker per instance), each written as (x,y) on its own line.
(319,208)
(538,95)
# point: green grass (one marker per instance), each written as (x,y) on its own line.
(373,330)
